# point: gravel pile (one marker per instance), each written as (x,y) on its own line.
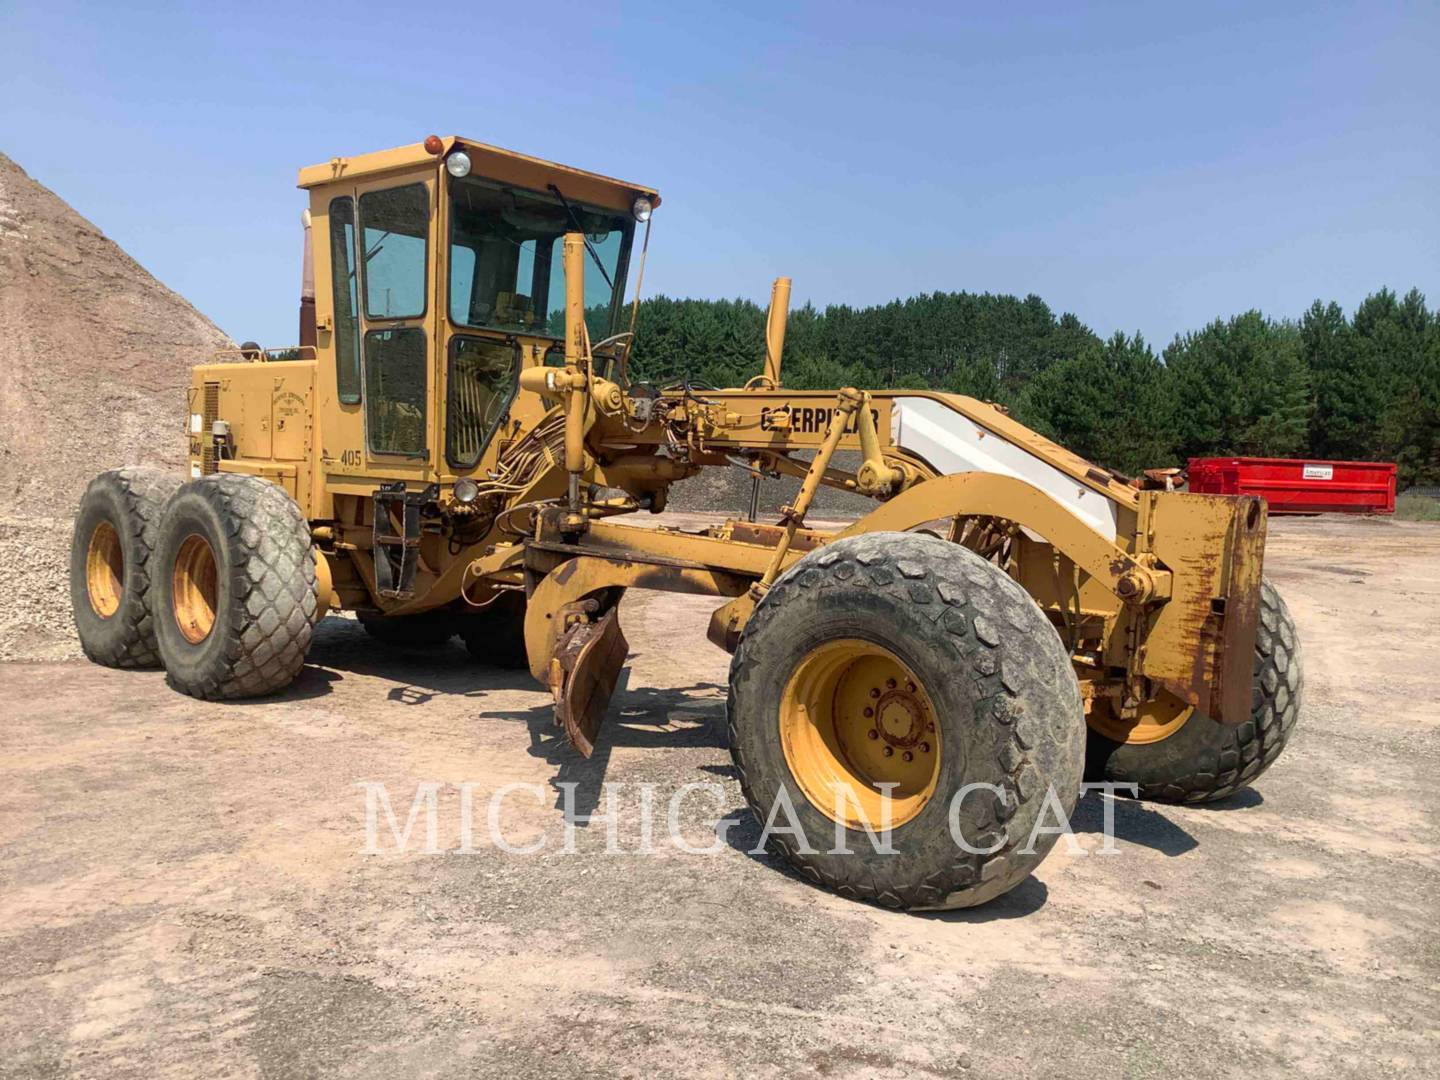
(95,356)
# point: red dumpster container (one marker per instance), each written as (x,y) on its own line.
(1299,485)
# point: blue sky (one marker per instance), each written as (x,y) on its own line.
(1147,166)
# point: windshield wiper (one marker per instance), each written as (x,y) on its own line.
(580,228)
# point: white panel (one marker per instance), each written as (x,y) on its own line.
(954,444)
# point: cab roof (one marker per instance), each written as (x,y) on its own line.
(491,162)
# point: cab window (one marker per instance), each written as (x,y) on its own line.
(506,267)
(396,228)
(395,390)
(482,377)
(346,301)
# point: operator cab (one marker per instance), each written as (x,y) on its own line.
(438,278)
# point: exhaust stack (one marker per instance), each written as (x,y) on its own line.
(307,289)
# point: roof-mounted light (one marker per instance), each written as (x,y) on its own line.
(434,145)
(642,209)
(458,164)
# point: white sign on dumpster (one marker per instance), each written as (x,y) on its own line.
(1319,472)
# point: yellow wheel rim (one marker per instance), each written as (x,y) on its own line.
(1157,719)
(105,570)
(194,589)
(854,718)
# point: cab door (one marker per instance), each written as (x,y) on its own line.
(375,243)
(394,238)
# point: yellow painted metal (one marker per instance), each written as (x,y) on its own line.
(775,329)
(994,495)
(875,476)
(744,418)
(575,352)
(324,583)
(492,162)
(1214,545)
(846,403)
(552,603)
(860,735)
(1152,721)
(194,588)
(104,570)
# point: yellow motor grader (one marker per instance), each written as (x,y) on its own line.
(456,444)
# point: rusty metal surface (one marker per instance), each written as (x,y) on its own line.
(1197,642)
(583,675)
(745,532)
(1234,672)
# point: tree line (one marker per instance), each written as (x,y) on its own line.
(1327,385)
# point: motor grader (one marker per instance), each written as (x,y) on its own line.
(457,443)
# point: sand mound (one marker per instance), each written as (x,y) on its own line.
(95,356)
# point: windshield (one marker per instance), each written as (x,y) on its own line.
(506,268)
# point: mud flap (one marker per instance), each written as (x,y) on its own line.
(583,675)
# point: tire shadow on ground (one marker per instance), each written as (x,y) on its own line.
(741,831)
(1132,821)
(341,647)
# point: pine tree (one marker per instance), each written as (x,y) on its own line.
(1347,392)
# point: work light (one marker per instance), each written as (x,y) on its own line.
(641,209)
(458,164)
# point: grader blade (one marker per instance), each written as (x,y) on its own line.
(583,676)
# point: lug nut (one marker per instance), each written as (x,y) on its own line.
(908,756)
(910,686)
(869,711)
(872,734)
(889,751)
(924,748)
(889,684)
(874,692)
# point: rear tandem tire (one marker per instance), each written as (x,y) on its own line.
(236,599)
(111,563)
(495,634)
(425,631)
(920,636)
(1204,761)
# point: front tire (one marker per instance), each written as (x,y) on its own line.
(1202,761)
(236,599)
(957,667)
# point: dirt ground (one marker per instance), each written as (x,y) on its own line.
(183,890)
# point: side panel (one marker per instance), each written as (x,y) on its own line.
(954,444)
(270,410)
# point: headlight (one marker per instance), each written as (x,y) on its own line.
(641,208)
(466,490)
(458,164)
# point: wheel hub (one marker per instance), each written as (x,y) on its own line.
(195,589)
(104,570)
(858,731)
(902,719)
(1154,720)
